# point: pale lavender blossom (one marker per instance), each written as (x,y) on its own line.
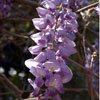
(50,93)
(55,82)
(52,66)
(50,54)
(98,9)
(36,85)
(31,63)
(54,44)
(38,71)
(39,39)
(65,73)
(57,97)
(35,49)
(41,57)
(5,7)
(39,23)
(42,11)
(48,4)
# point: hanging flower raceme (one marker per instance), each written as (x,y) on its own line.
(4,7)
(55,42)
(98,9)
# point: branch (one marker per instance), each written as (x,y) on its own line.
(95,33)
(28,2)
(31,99)
(87,43)
(17,19)
(87,7)
(14,34)
(5,80)
(90,85)
(82,68)
(84,31)
(66,90)
(6,93)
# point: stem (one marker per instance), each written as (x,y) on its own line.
(95,33)
(87,7)
(87,43)
(90,77)
(5,80)
(84,39)
(28,2)
(82,68)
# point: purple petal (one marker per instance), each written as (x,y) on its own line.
(42,11)
(38,71)
(50,54)
(50,35)
(31,82)
(59,85)
(98,9)
(35,49)
(69,43)
(42,42)
(60,60)
(41,57)
(70,28)
(57,97)
(48,75)
(35,92)
(49,19)
(30,63)
(61,31)
(57,2)
(52,66)
(36,88)
(39,39)
(55,82)
(48,4)
(72,14)
(66,73)
(65,3)
(39,82)
(66,51)
(36,37)
(39,23)
(49,93)
(71,36)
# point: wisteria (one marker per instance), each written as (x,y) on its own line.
(4,7)
(49,49)
(98,9)
(55,41)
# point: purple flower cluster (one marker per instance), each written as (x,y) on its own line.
(4,7)
(98,9)
(55,42)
